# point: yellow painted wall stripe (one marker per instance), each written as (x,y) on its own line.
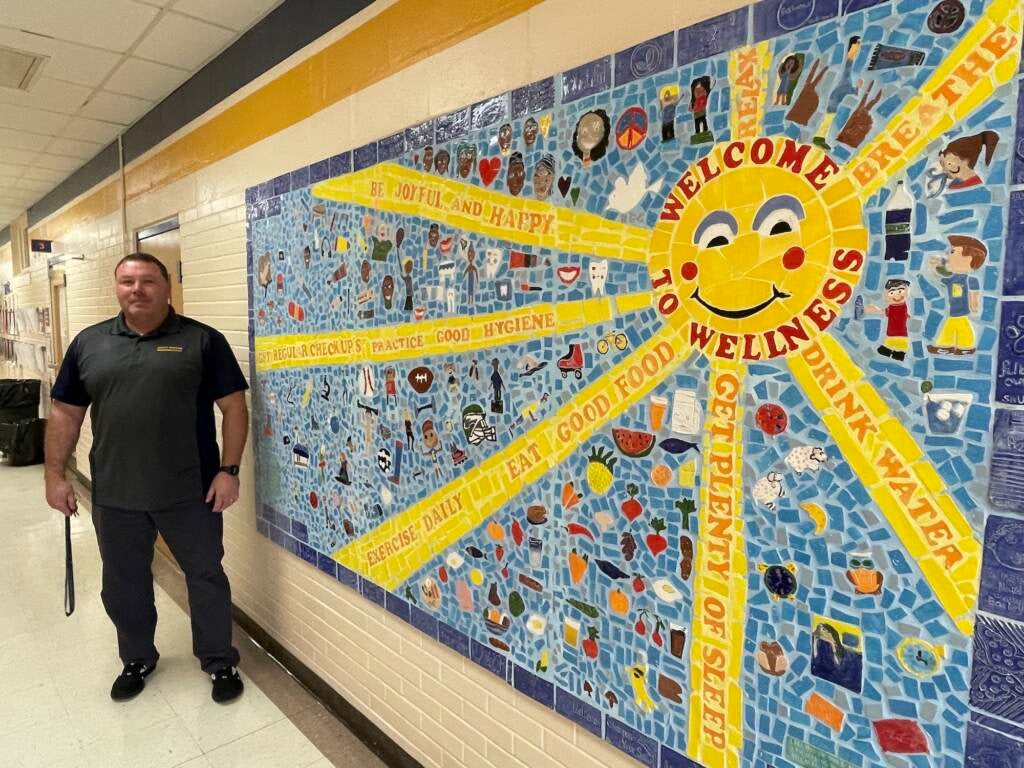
(720,585)
(398,189)
(397,37)
(897,473)
(987,57)
(748,82)
(441,337)
(401,545)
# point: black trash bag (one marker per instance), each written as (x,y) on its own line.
(19,399)
(22,441)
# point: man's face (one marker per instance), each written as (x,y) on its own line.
(897,295)
(428,158)
(542,182)
(141,289)
(441,163)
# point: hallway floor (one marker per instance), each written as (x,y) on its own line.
(55,672)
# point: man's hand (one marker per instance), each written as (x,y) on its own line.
(223,491)
(61,496)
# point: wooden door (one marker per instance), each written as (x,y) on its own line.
(163,241)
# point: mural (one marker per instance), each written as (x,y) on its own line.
(666,388)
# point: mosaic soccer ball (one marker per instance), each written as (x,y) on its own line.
(384,460)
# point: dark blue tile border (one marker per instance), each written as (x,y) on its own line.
(579,711)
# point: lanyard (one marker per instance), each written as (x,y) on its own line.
(69,571)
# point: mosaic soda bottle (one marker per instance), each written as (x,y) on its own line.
(897,224)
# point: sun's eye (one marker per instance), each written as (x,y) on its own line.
(715,230)
(779,222)
(779,215)
(716,236)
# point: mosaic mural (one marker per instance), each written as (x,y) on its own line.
(677,389)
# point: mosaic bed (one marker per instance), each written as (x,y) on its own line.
(673,389)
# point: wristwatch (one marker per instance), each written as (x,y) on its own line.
(231,469)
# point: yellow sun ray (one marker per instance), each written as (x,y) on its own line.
(720,585)
(397,189)
(445,336)
(986,58)
(897,474)
(401,545)
(748,83)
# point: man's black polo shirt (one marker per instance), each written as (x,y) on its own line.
(154,437)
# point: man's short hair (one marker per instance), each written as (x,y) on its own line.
(896,283)
(149,259)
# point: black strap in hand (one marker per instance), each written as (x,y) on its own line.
(69,571)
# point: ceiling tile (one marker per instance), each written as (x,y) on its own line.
(57,162)
(115,108)
(11,169)
(7,180)
(112,24)
(32,120)
(18,156)
(236,14)
(38,187)
(181,41)
(74,63)
(43,174)
(146,79)
(91,130)
(47,93)
(84,150)
(20,140)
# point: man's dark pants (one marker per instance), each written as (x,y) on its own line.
(194,534)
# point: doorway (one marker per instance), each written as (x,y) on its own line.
(163,241)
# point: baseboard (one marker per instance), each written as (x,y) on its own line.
(359,724)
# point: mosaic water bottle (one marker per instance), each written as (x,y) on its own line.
(897,224)
(858,308)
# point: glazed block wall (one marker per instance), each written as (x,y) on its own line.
(444,710)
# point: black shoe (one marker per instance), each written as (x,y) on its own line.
(227,685)
(131,681)
(899,356)
(884,351)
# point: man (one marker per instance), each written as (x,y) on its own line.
(151,377)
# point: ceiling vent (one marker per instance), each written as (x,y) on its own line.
(19,69)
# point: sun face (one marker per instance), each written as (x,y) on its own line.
(756,250)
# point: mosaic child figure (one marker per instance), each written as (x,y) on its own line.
(789,74)
(407,418)
(432,445)
(465,157)
(897,313)
(407,282)
(471,274)
(390,386)
(669,100)
(498,384)
(843,88)
(700,89)
(958,160)
(963,294)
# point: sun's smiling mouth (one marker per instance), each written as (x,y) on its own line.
(739,314)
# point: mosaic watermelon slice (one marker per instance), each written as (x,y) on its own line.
(633,442)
